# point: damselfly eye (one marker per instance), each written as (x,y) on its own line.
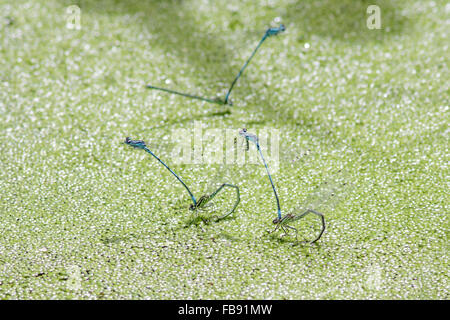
(127,140)
(276,220)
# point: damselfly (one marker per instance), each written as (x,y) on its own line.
(326,194)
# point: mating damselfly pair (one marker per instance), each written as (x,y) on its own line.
(226,101)
(283,222)
(202,202)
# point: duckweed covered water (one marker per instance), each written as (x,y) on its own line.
(83,216)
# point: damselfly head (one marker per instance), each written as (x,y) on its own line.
(243,132)
(276,220)
(191,207)
(135,143)
(275,31)
(249,136)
